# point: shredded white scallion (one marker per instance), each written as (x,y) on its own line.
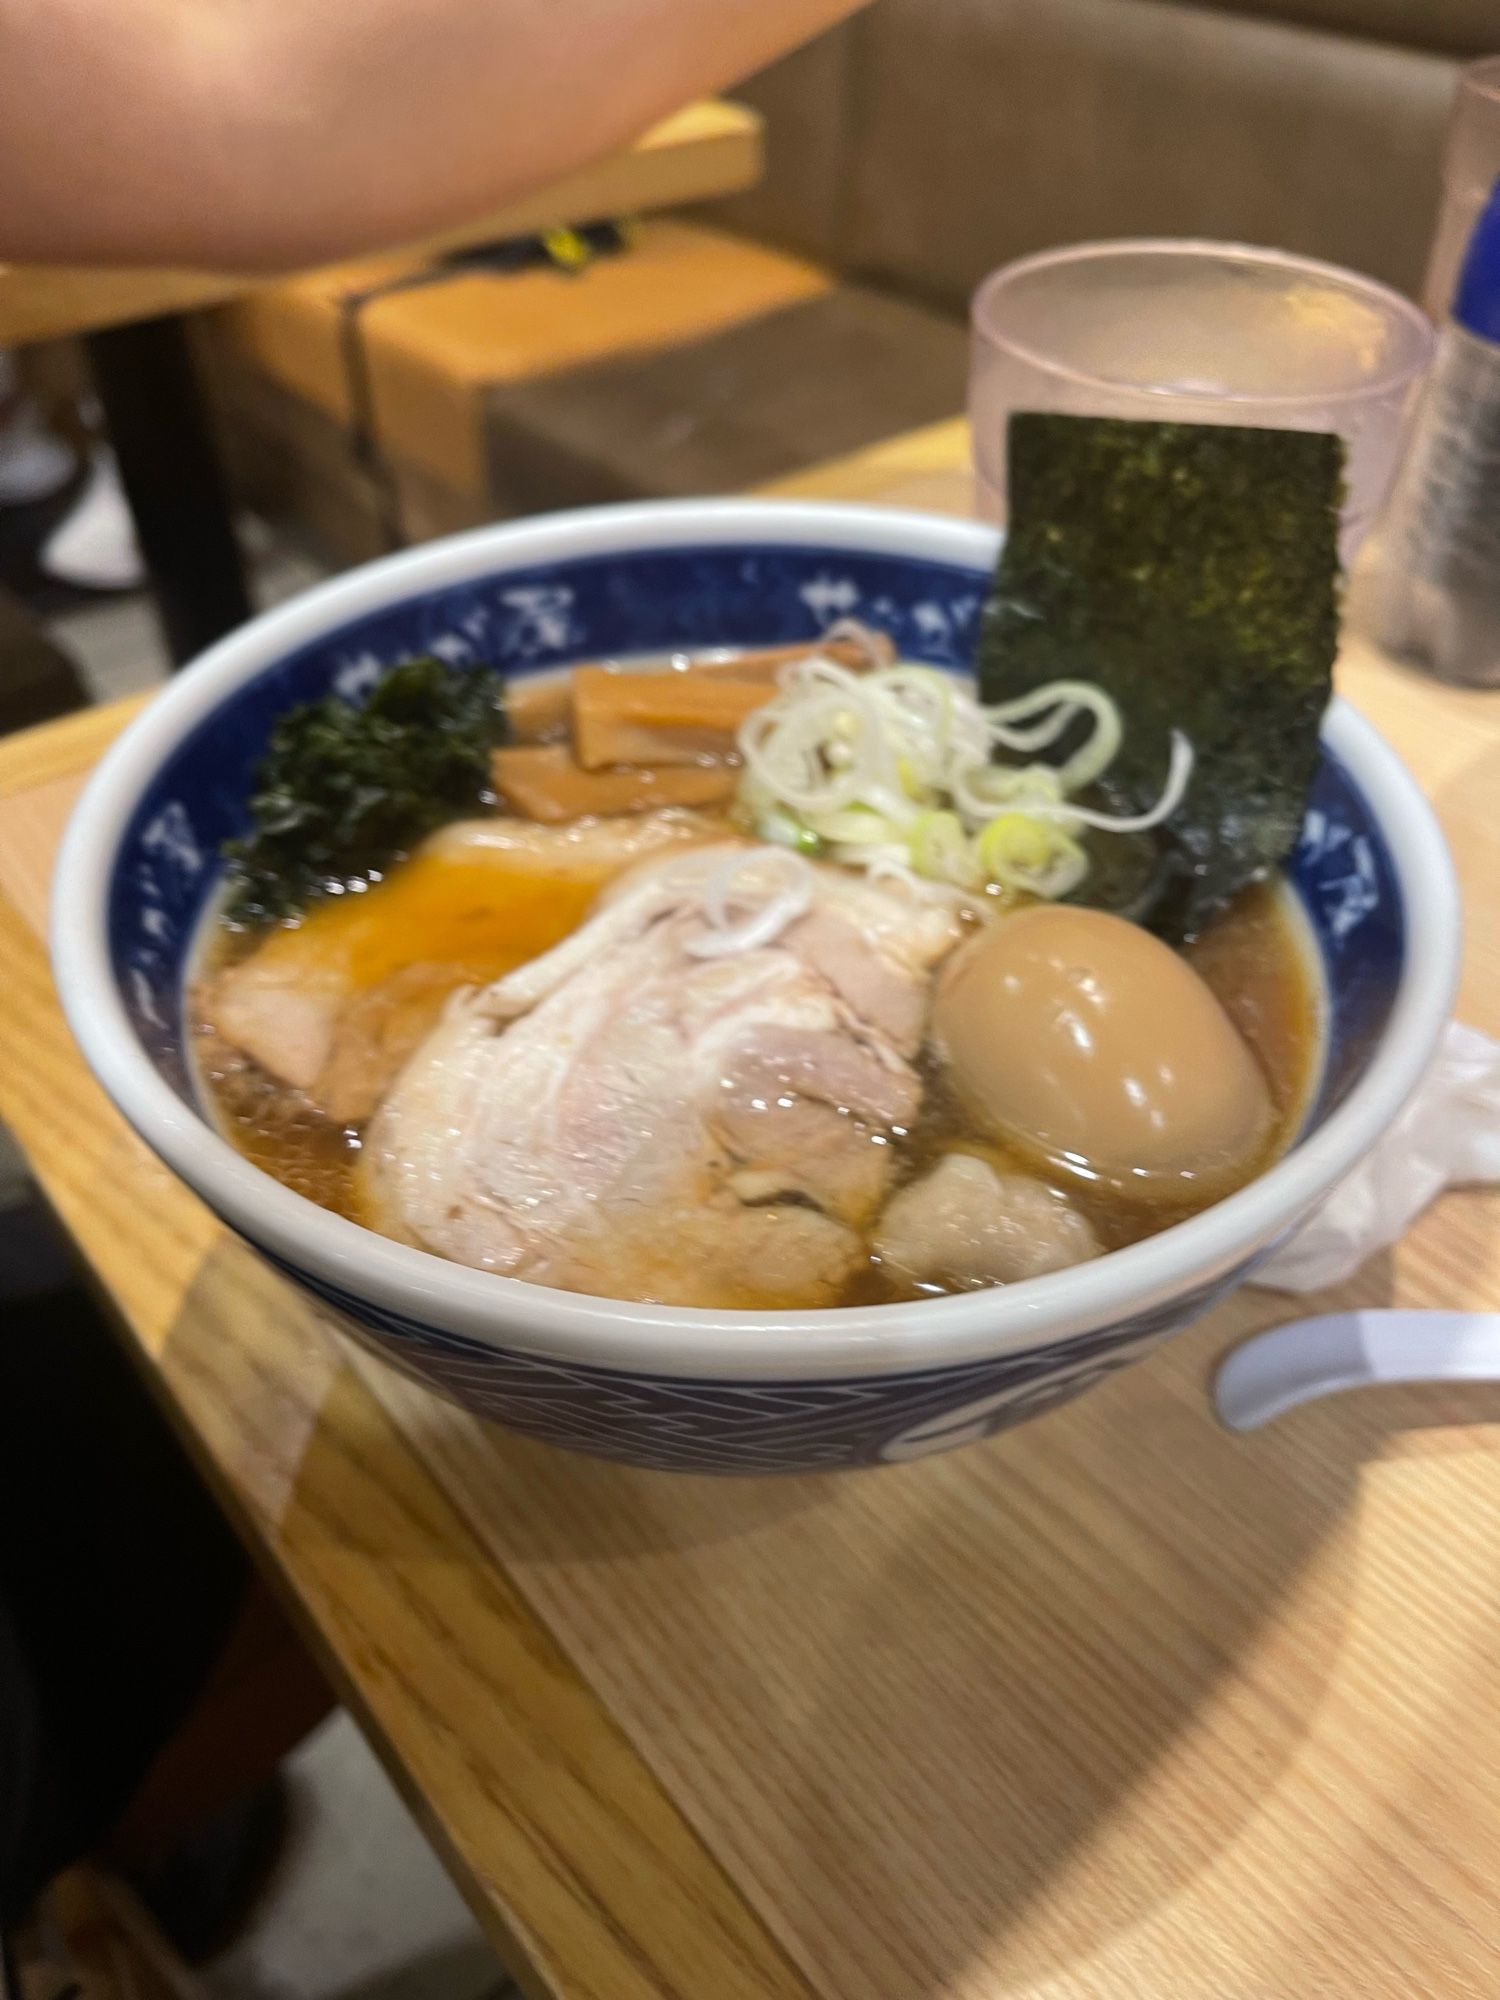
(893,770)
(769,888)
(1179,771)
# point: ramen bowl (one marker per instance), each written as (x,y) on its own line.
(672,1387)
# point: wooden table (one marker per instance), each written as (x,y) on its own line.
(132,321)
(1116,1708)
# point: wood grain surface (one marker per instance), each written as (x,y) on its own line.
(706,149)
(1115,1708)
(571,1854)
(927,468)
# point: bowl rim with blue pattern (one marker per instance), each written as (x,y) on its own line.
(342,1258)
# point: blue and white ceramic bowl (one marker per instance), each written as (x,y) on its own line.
(672,1387)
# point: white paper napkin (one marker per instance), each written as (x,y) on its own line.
(1448,1136)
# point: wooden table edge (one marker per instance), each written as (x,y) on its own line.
(69,747)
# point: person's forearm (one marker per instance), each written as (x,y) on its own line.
(261,133)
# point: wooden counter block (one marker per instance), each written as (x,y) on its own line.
(432,352)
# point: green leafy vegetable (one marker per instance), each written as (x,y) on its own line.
(344,790)
(1192,572)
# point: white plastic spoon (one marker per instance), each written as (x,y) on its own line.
(1274,1372)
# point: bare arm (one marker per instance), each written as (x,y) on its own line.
(269,133)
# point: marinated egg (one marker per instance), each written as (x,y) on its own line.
(1085,1041)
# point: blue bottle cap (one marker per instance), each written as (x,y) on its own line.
(1476,304)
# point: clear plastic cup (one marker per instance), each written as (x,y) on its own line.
(1190,332)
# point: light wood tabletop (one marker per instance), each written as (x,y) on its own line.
(1117,1706)
(706,149)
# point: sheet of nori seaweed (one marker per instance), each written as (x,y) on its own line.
(1191,570)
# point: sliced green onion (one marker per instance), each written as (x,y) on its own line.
(1033,856)
(980,790)
(895,769)
(940,849)
(784,829)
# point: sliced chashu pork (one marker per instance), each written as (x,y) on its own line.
(966,1223)
(302,1004)
(626,1116)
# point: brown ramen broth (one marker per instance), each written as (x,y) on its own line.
(458,917)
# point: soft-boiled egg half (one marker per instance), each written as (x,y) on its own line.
(1085,1042)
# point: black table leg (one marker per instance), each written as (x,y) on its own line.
(173,480)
